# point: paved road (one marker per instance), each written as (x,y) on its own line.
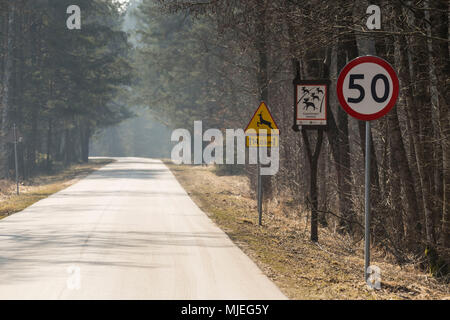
(127,231)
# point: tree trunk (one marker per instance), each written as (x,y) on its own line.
(398,225)
(416,133)
(6,82)
(323,179)
(263,78)
(85,136)
(49,146)
(313,159)
(439,60)
(346,50)
(413,227)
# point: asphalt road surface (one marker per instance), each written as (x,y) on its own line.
(127,231)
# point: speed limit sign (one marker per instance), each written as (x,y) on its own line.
(367,88)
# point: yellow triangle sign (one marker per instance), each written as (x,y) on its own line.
(262,119)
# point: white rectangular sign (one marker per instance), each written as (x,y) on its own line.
(311,104)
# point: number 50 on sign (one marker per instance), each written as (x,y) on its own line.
(367,88)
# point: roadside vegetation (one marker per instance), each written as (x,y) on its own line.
(42,186)
(59,87)
(216,61)
(329,269)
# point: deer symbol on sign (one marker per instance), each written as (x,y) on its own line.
(262,121)
(308,104)
(305,90)
(314,97)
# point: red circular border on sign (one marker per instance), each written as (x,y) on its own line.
(340,83)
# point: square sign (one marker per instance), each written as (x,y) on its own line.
(311,102)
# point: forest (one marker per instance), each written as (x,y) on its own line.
(58,86)
(215,61)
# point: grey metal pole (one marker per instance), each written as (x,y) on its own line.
(367,204)
(259,193)
(15,159)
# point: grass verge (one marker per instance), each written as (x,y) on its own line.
(42,186)
(331,269)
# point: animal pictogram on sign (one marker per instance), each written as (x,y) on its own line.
(311,98)
(308,104)
(262,130)
(306,91)
(262,121)
(314,97)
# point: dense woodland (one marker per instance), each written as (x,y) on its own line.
(59,85)
(215,61)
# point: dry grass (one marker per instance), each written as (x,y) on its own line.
(332,269)
(42,186)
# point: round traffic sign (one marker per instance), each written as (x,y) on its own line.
(367,88)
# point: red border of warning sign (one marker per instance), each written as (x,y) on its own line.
(254,114)
(384,64)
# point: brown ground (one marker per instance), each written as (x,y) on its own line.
(42,186)
(331,269)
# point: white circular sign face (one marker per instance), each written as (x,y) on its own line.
(367,88)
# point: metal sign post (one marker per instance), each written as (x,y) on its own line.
(259,193)
(367,204)
(15,159)
(262,120)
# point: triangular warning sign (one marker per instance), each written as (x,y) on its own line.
(262,119)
